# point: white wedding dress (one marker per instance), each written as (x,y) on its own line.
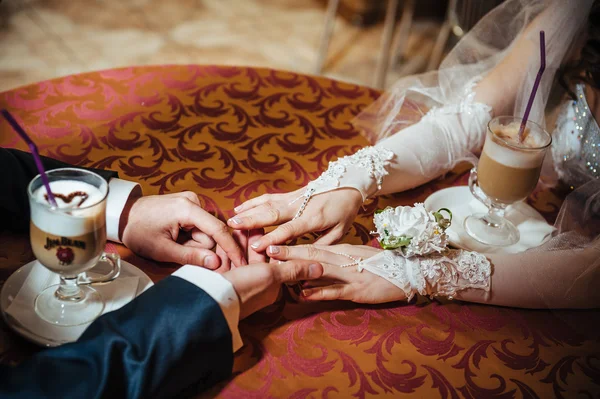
(490,72)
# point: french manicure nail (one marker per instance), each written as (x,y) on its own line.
(255,245)
(210,262)
(274,249)
(236,220)
(238,208)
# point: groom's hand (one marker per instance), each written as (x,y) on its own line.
(175,228)
(258,285)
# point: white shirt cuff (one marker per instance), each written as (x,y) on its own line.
(221,290)
(118,194)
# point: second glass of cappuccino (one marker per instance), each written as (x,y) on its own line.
(508,171)
(69,240)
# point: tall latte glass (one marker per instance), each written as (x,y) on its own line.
(69,240)
(508,172)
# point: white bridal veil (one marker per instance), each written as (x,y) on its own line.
(507,34)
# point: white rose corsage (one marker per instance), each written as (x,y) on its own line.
(412,229)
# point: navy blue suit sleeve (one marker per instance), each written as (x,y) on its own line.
(171,339)
(17,168)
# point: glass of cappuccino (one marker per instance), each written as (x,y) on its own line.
(508,172)
(69,240)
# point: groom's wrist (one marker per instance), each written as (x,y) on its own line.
(121,196)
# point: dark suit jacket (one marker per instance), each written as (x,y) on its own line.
(172,339)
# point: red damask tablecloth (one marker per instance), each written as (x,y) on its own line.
(230,134)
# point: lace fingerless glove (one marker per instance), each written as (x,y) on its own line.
(442,274)
(363,171)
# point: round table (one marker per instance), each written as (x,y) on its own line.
(230,134)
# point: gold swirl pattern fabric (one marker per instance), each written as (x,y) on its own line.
(230,134)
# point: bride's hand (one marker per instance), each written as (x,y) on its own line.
(337,282)
(332,212)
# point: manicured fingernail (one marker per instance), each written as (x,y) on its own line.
(306,292)
(274,249)
(210,262)
(236,220)
(255,245)
(313,270)
(238,208)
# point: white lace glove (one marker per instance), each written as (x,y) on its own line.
(444,137)
(434,275)
(363,171)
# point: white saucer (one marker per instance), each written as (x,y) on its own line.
(11,288)
(533,227)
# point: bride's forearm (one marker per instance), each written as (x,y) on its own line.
(419,157)
(413,156)
(552,279)
(428,149)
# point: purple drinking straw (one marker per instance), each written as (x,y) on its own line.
(535,85)
(34,151)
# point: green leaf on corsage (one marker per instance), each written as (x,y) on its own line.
(395,242)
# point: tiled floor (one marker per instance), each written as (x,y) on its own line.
(42,39)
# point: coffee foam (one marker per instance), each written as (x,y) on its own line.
(76,221)
(510,134)
(513,157)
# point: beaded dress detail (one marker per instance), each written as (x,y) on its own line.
(576,142)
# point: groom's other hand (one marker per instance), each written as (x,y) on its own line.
(175,228)
(258,285)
